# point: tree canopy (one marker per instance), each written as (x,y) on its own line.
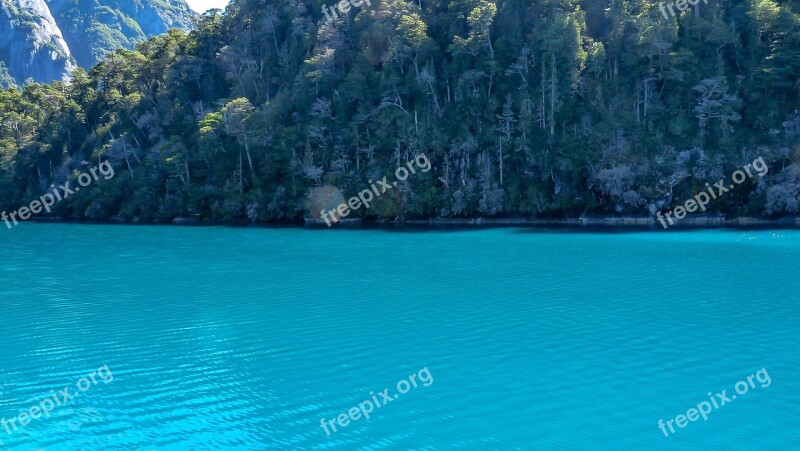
(549,108)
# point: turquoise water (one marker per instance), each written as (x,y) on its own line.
(245,338)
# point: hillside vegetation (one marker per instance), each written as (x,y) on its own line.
(547,108)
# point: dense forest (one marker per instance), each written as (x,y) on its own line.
(525,108)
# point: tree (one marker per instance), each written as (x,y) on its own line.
(238,115)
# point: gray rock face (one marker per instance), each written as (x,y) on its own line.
(31,44)
(44,40)
(93,28)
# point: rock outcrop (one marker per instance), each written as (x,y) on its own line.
(44,40)
(93,28)
(31,43)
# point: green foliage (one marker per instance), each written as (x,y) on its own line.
(6,80)
(524,108)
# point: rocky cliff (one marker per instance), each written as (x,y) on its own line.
(43,40)
(31,44)
(93,28)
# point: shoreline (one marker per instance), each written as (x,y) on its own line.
(583,222)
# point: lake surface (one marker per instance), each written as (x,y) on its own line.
(246,338)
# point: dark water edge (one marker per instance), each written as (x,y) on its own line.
(595,224)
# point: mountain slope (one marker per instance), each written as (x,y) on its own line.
(45,39)
(31,43)
(93,28)
(534,108)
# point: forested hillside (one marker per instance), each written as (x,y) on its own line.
(546,108)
